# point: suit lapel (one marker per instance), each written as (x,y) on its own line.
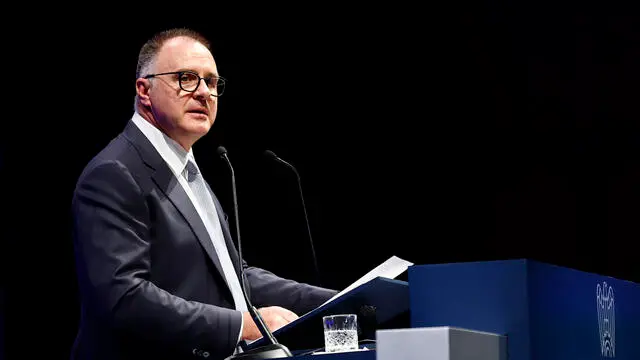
(169,184)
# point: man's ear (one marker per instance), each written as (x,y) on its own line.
(142,90)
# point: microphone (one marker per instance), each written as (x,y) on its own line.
(274,349)
(270,154)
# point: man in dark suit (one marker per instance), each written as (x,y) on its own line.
(158,273)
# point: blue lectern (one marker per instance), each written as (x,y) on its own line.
(547,312)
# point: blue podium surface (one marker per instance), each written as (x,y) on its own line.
(379,303)
(547,312)
(350,355)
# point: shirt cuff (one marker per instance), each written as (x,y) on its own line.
(241,327)
(238,348)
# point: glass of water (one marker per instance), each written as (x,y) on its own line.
(340,332)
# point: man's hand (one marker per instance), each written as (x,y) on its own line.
(274,317)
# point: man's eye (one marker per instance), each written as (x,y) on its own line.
(212,83)
(187,77)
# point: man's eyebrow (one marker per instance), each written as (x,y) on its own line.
(207,75)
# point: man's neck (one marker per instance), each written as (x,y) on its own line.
(148,116)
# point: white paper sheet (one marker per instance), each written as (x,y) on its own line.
(391,268)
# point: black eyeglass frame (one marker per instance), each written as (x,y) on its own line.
(219,80)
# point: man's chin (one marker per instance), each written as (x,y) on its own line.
(199,131)
(200,127)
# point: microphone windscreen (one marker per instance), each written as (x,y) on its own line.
(221,150)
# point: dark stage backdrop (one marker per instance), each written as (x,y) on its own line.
(481,133)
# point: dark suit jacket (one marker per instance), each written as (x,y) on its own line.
(150,282)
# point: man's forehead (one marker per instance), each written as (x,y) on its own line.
(182,51)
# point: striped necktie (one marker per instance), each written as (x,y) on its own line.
(212,223)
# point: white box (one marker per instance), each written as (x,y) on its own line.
(439,343)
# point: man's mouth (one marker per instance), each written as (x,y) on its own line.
(199,111)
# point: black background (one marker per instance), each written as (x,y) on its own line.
(490,131)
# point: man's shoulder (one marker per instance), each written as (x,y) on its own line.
(118,149)
(119,153)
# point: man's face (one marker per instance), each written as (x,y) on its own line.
(184,116)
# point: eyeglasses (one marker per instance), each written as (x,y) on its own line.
(189,81)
